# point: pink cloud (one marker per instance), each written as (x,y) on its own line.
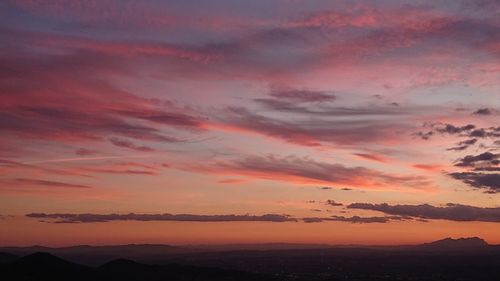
(373,157)
(299,170)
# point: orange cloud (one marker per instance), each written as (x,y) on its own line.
(428,167)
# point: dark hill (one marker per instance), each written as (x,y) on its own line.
(96,255)
(45,261)
(7,258)
(46,267)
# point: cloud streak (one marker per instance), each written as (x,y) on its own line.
(130,145)
(356,219)
(46,183)
(452,212)
(301,170)
(92,218)
(489,181)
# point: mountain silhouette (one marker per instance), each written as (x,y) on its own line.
(97,255)
(44,266)
(45,262)
(469,243)
(47,267)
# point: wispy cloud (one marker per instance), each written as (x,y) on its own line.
(130,145)
(46,183)
(302,170)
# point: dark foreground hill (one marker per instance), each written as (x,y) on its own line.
(46,267)
(6,258)
(97,255)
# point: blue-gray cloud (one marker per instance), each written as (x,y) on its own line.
(452,212)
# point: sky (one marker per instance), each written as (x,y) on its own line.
(213,122)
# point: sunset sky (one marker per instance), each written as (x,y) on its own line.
(194,122)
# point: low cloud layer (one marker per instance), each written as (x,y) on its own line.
(356,219)
(452,212)
(93,218)
(87,218)
(417,213)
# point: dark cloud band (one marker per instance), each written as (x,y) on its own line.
(89,218)
(452,212)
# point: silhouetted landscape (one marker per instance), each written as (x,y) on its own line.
(447,259)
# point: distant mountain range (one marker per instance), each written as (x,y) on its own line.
(99,254)
(467,259)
